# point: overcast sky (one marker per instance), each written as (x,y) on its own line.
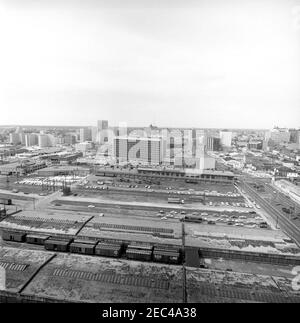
(213,63)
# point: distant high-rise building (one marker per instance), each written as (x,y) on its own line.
(31,139)
(102,124)
(138,149)
(279,135)
(70,139)
(102,135)
(212,143)
(294,135)
(226,138)
(94,134)
(43,140)
(85,134)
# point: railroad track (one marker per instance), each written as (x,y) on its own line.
(286,225)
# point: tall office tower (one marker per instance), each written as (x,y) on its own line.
(138,149)
(70,139)
(94,134)
(212,143)
(176,145)
(226,138)
(43,140)
(102,135)
(194,142)
(31,139)
(85,134)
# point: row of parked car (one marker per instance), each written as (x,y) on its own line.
(55,180)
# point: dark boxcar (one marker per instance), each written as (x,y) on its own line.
(36,238)
(108,250)
(13,236)
(165,256)
(85,247)
(138,254)
(57,245)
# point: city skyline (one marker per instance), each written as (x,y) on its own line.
(206,65)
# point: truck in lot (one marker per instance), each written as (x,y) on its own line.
(175,200)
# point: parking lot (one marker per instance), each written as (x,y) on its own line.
(155,184)
(230,217)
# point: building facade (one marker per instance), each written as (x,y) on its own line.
(138,149)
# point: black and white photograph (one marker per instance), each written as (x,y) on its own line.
(149,154)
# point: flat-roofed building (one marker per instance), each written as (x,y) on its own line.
(85,134)
(226,138)
(146,150)
(279,135)
(31,139)
(212,143)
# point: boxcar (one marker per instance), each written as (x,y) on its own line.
(57,245)
(138,254)
(84,247)
(108,250)
(14,236)
(36,239)
(169,257)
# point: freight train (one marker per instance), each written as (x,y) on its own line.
(169,255)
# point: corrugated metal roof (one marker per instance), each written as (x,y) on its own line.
(36,236)
(139,251)
(82,245)
(57,242)
(140,247)
(166,253)
(108,246)
(87,242)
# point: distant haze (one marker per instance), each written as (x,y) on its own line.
(180,63)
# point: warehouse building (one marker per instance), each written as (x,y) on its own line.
(21,168)
(63,171)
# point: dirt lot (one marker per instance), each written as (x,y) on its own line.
(236,287)
(46,222)
(98,279)
(249,267)
(16,278)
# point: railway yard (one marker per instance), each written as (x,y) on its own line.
(150,240)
